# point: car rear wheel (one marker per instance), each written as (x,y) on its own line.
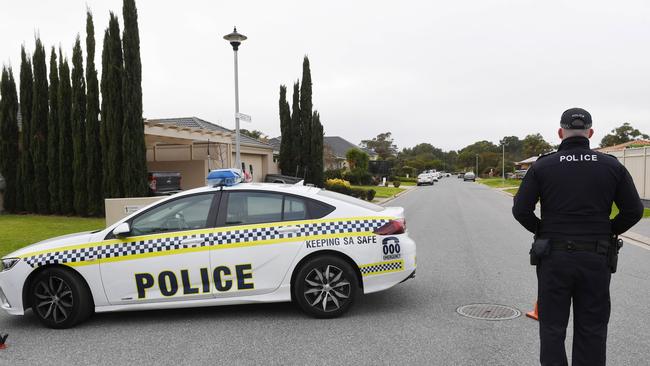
(60,298)
(325,287)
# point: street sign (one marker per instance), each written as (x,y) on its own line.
(243,117)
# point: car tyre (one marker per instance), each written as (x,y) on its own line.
(325,287)
(60,298)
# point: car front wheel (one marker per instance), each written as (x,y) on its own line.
(60,298)
(325,287)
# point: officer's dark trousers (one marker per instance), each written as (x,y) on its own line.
(584,278)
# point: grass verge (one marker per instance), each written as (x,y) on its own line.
(21,230)
(382,192)
(500,183)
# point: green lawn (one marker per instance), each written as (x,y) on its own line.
(500,183)
(382,192)
(17,231)
(512,191)
(406,183)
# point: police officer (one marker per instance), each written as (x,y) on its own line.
(576,187)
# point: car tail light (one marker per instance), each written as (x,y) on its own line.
(392,227)
(152,183)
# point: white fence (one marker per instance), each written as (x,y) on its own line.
(637,162)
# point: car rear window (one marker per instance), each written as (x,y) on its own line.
(351,200)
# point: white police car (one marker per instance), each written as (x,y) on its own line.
(217,245)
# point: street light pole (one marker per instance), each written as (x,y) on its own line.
(235,40)
(503,166)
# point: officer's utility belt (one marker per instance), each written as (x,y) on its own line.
(599,247)
(541,248)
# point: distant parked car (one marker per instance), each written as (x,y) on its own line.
(469,176)
(461,175)
(426,178)
(283,179)
(164,183)
(519,174)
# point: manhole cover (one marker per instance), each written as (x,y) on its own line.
(488,312)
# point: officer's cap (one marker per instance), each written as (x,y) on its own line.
(575,119)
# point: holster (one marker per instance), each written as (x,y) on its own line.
(615,245)
(540,249)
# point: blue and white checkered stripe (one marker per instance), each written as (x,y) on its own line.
(212,239)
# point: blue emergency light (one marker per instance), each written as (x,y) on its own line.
(224,177)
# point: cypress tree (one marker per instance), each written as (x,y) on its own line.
(66,195)
(317,150)
(79,179)
(39,129)
(286,153)
(53,135)
(113,116)
(9,137)
(103,133)
(93,147)
(134,148)
(26,162)
(306,115)
(296,131)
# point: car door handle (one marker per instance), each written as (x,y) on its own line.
(192,241)
(287,230)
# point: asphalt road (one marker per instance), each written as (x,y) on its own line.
(470,250)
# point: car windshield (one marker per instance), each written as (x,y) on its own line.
(350,199)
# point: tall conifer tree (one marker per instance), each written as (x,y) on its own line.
(66,195)
(103,132)
(286,143)
(306,115)
(39,129)
(53,135)
(93,147)
(9,137)
(296,130)
(79,178)
(134,148)
(317,150)
(26,162)
(113,113)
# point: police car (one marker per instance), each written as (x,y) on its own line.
(222,244)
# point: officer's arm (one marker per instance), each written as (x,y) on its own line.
(628,202)
(525,200)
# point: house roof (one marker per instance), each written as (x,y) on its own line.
(275,142)
(340,146)
(198,123)
(623,146)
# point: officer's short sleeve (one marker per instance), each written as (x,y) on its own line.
(628,202)
(525,200)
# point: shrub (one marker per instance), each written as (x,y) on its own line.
(333,174)
(370,194)
(358,193)
(396,183)
(404,179)
(338,185)
(358,177)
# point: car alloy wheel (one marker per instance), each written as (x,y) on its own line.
(55,299)
(327,288)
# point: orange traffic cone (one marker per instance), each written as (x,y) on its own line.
(533,314)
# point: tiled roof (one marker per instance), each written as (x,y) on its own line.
(624,145)
(275,142)
(194,122)
(340,146)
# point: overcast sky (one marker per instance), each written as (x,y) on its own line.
(444,72)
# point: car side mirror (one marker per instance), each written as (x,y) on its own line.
(122,230)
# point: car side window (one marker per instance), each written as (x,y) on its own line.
(253,208)
(187,213)
(294,208)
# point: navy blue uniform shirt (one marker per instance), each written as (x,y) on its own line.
(576,187)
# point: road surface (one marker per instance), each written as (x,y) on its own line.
(470,250)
